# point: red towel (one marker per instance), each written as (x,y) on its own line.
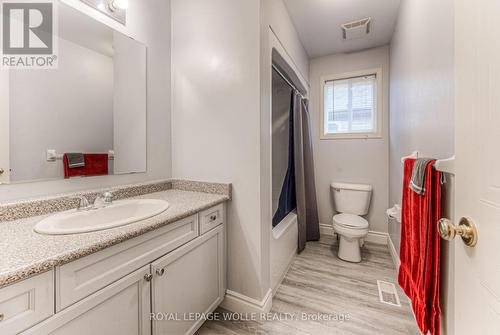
(95,165)
(419,271)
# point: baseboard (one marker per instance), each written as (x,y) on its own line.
(290,261)
(326,229)
(239,303)
(377,237)
(394,254)
(372,237)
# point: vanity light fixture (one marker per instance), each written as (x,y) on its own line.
(114,5)
(116,9)
(101,6)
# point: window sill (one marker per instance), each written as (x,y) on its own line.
(351,136)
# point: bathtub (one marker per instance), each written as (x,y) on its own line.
(283,248)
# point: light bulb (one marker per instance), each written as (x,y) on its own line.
(121,4)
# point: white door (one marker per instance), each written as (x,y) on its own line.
(477,78)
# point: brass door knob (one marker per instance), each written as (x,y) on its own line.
(2,171)
(148,276)
(466,229)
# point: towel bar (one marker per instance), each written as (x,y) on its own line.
(414,154)
(444,165)
(53,156)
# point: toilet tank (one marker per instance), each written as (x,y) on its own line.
(351,198)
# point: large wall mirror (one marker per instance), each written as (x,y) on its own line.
(85,118)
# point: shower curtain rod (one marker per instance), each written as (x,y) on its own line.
(288,81)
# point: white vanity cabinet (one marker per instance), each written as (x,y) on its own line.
(175,271)
(26,303)
(81,278)
(187,284)
(121,308)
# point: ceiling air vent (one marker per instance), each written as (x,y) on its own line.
(356,29)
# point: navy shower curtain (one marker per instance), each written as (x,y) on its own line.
(287,201)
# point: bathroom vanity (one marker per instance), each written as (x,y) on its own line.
(148,277)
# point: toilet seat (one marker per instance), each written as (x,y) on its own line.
(350,221)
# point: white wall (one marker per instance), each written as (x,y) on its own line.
(351,160)
(275,16)
(276,32)
(46,119)
(221,75)
(148,22)
(422,107)
(421,84)
(215,52)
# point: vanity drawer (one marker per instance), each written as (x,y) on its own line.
(26,303)
(211,218)
(81,278)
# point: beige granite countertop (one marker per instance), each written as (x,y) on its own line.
(24,253)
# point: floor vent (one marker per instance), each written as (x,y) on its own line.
(387,293)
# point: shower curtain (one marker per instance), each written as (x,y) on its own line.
(299,188)
(287,201)
(305,186)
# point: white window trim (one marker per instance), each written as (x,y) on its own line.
(379,105)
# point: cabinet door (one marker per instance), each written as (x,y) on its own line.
(189,280)
(122,308)
(26,303)
(85,276)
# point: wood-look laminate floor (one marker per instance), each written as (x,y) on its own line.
(320,285)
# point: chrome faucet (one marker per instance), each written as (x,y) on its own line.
(103,200)
(83,203)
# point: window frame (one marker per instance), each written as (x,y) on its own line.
(379,105)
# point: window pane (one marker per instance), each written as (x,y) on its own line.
(341,95)
(330,117)
(362,120)
(362,94)
(328,105)
(350,105)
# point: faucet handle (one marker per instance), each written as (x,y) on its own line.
(108,197)
(104,199)
(83,203)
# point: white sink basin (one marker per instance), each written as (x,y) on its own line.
(120,213)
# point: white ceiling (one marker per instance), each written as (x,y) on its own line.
(318,23)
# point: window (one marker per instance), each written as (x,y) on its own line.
(351,105)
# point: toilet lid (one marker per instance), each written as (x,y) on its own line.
(350,221)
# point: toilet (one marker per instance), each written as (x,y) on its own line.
(351,201)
